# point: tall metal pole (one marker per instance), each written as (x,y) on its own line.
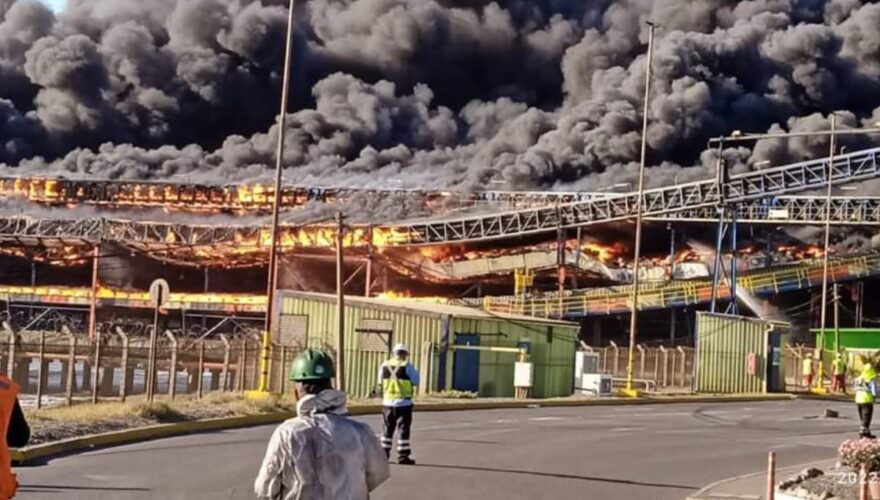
(836,319)
(340,304)
(276,204)
(716,274)
(820,387)
(93,297)
(860,302)
(633,322)
(672,311)
(368,286)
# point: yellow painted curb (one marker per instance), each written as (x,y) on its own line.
(31,453)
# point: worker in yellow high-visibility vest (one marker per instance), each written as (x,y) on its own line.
(838,382)
(866,393)
(398,378)
(807,370)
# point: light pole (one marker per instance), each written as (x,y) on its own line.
(630,390)
(820,384)
(263,387)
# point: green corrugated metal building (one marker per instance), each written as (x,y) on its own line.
(736,354)
(431,330)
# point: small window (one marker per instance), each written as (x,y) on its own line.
(293,331)
(549,334)
(374,335)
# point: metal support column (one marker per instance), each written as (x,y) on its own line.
(733,308)
(719,262)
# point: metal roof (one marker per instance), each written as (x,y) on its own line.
(415,306)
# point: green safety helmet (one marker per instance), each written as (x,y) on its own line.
(312,364)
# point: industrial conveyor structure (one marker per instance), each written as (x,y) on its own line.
(589,302)
(187,241)
(789,179)
(57,191)
(672,294)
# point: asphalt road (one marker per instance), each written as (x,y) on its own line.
(632,452)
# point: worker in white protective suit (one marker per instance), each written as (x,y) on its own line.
(321,454)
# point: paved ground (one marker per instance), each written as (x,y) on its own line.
(633,452)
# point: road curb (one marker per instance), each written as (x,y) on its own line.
(30,454)
(705,491)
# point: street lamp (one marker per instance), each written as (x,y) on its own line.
(263,387)
(630,390)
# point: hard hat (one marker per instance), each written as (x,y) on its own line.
(312,364)
(400,348)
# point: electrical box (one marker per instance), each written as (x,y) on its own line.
(585,362)
(523,374)
(597,384)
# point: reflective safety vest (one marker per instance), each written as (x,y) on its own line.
(807,366)
(396,385)
(863,391)
(8,395)
(839,367)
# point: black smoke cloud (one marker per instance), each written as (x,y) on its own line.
(432,93)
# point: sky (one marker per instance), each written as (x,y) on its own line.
(56,4)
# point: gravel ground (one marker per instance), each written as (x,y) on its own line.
(43,431)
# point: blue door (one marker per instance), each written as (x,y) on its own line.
(466,364)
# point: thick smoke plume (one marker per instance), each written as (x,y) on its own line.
(432,93)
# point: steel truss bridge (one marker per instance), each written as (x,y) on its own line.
(758,197)
(27,231)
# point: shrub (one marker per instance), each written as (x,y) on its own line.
(854,453)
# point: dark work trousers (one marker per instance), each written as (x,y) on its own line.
(399,418)
(866,412)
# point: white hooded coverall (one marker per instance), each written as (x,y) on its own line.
(322,455)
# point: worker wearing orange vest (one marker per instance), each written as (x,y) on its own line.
(15,428)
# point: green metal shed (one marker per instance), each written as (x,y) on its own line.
(373,326)
(736,354)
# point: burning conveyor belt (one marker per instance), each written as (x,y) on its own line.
(258,198)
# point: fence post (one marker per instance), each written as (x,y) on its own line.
(682,370)
(616,358)
(172,372)
(665,366)
(97,366)
(201,373)
(255,373)
(242,365)
(284,368)
(657,367)
(71,370)
(270,366)
(10,366)
(225,374)
(123,386)
(41,377)
(604,360)
(641,349)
